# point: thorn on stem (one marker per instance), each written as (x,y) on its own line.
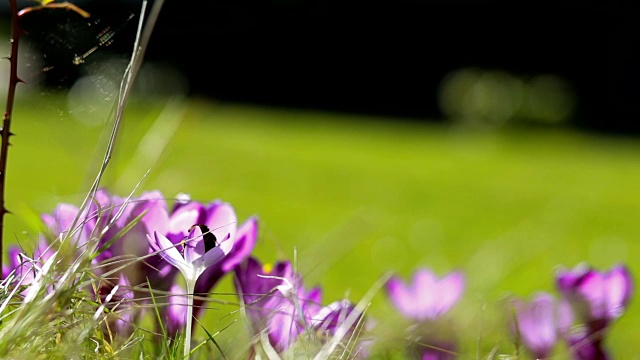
(18,80)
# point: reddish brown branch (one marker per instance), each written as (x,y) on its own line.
(5,132)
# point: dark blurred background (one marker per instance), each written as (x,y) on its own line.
(418,60)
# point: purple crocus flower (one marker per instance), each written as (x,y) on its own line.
(329,318)
(174,314)
(276,301)
(342,318)
(265,293)
(427,297)
(110,219)
(22,267)
(585,347)
(105,218)
(425,300)
(118,251)
(539,323)
(246,237)
(597,299)
(211,235)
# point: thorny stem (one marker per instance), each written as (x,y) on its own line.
(5,132)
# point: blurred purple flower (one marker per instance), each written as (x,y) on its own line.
(265,293)
(59,224)
(329,318)
(585,347)
(119,300)
(125,308)
(540,322)
(427,297)
(110,219)
(343,318)
(597,297)
(276,301)
(439,350)
(24,268)
(105,219)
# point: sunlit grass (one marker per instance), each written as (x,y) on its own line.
(358,196)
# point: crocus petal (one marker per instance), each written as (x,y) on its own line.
(597,297)
(252,287)
(126,310)
(566,280)
(537,324)
(213,256)
(184,217)
(401,297)
(427,297)
(175,314)
(592,288)
(331,317)
(450,289)
(243,246)
(265,307)
(166,249)
(157,216)
(222,221)
(283,329)
(312,300)
(14,256)
(61,220)
(565,316)
(425,294)
(585,347)
(6,270)
(194,246)
(180,200)
(619,290)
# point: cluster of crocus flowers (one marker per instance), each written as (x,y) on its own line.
(139,242)
(590,301)
(425,300)
(280,309)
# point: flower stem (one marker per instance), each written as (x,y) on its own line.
(187,329)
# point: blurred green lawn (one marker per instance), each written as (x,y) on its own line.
(358,196)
